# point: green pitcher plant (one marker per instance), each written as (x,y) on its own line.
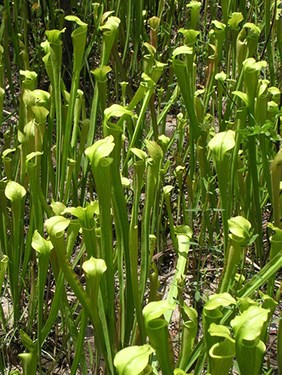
(221,145)
(240,237)
(157,330)
(222,353)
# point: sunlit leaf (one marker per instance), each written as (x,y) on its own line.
(220,331)
(54,36)
(240,227)
(221,143)
(56,225)
(219,300)
(41,245)
(248,326)
(235,19)
(94,267)
(183,50)
(116,110)
(133,359)
(14,191)
(100,149)
(83,212)
(220,76)
(156,309)
(242,95)
(139,153)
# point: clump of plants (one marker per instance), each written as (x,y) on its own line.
(140,149)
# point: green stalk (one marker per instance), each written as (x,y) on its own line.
(221,79)
(33,161)
(158,199)
(251,70)
(275,246)
(256,212)
(219,34)
(48,175)
(269,21)
(150,85)
(139,168)
(220,145)
(109,29)
(233,23)
(279,346)
(269,270)
(138,7)
(79,41)
(3,266)
(68,178)
(128,29)
(12,31)
(3,220)
(78,108)
(279,37)
(15,194)
(56,302)
(183,73)
(241,123)
(94,270)
(79,344)
(2,91)
(101,81)
(29,82)
(184,234)
(239,238)
(98,155)
(2,94)
(276,173)
(154,165)
(43,248)
(53,62)
(121,219)
(167,197)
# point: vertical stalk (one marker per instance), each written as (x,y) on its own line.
(43,248)
(121,221)
(79,41)
(16,193)
(53,62)
(139,168)
(154,165)
(98,155)
(269,21)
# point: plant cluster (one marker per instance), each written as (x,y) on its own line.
(128,128)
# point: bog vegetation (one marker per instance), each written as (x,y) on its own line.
(140,209)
